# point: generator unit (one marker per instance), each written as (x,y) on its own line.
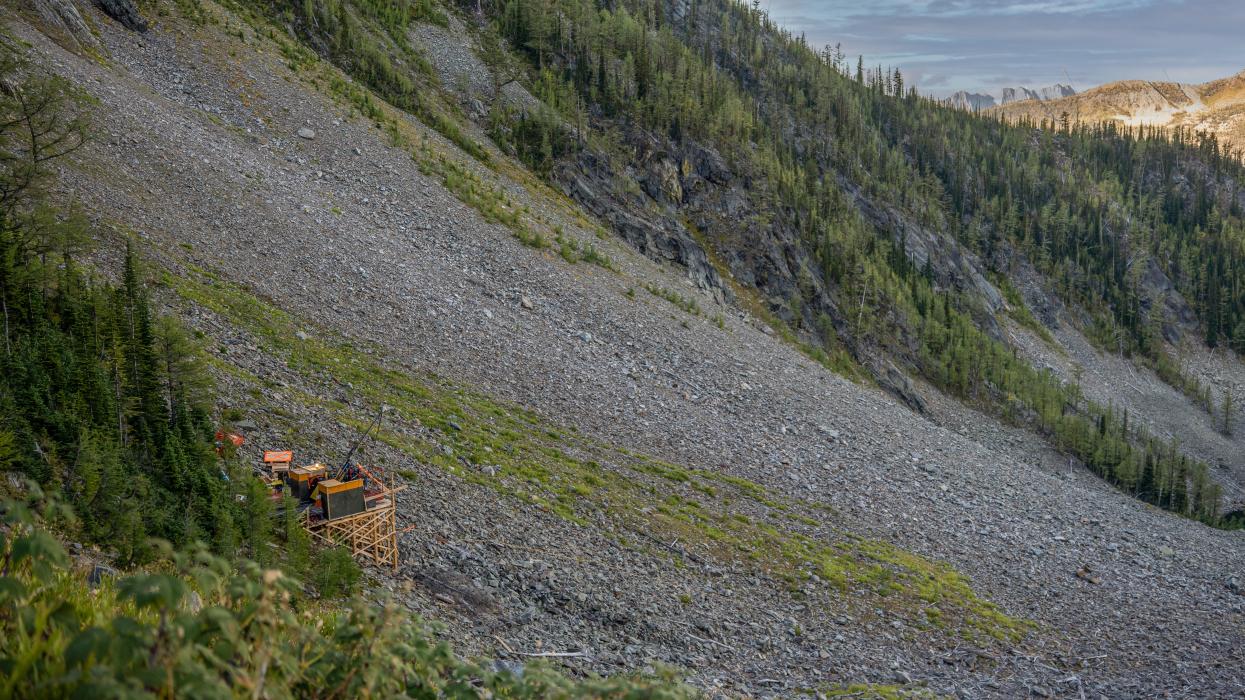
(339,499)
(302,480)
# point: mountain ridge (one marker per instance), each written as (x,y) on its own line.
(1214,107)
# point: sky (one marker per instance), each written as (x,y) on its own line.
(943,46)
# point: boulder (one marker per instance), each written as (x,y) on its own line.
(99,573)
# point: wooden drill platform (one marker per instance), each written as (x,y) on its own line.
(372,534)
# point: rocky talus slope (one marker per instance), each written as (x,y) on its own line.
(596,466)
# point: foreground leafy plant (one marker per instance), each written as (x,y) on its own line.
(198,627)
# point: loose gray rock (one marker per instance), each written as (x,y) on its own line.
(99,572)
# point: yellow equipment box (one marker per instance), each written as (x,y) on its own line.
(338,499)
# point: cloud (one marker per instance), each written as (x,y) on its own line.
(926,39)
(984,45)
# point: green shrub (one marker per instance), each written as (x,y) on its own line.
(687,304)
(335,573)
(201,628)
(296,552)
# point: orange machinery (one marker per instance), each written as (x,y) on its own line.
(278,461)
(223,438)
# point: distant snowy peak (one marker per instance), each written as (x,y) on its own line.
(1056,91)
(1011,94)
(976,101)
(1053,92)
(971,101)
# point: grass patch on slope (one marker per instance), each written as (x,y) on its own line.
(521,455)
(873,691)
(687,304)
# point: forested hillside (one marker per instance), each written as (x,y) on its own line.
(103,401)
(873,222)
(1085,206)
(100,398)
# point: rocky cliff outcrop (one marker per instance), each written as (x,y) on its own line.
(65,22)
(124,12)
(64,19)
(672,200)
